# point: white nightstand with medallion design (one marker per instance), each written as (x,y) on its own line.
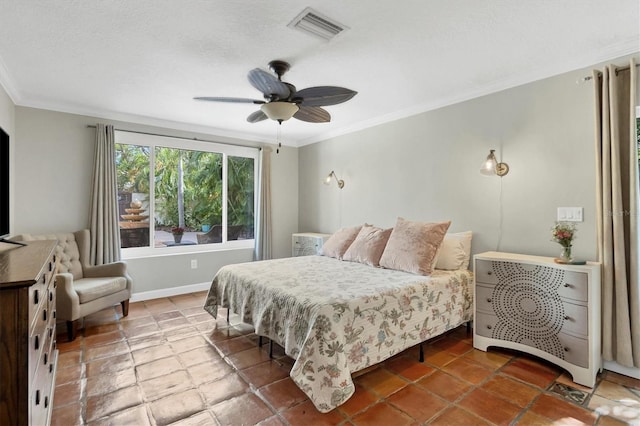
(307,243)
(535,305)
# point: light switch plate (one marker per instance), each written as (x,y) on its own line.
(570,214)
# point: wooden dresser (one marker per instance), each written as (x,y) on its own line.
(28,354)
(534,305)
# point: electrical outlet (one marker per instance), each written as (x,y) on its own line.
(194,263)
(570,214)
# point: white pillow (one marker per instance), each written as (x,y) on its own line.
(455,251)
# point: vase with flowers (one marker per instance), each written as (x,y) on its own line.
(564,233)
(177,234)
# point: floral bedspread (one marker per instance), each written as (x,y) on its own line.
(336,317)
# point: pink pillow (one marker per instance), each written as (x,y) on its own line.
(368,245)
(339,242)
(412,246)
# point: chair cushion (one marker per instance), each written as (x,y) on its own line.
(89,289)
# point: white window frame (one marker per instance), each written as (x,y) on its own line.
(153,141)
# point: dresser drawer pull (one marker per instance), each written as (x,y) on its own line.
(50,266)
(567,317)
(567,285)
(50,297)
(38,397)
(35,297)
(54,314)
(46,358)
(489,273)
(46,402)
(50,368)
(44,315)
(37,343)
(489,327)
(489,299)
(566,349)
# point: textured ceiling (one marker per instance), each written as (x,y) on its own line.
(145,60)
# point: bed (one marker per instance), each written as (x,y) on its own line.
(336,317)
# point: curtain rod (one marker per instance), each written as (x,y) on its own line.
(590,77)
(91,126)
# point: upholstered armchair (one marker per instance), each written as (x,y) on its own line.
(83,289)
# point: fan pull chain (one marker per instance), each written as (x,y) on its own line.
(278,138)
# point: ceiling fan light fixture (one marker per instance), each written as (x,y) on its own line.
(280,111)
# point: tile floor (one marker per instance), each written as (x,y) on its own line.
(166,364)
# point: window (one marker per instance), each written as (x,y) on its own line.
(182,195)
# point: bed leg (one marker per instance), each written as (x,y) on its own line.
(421,356)
(228,313)
(271,349)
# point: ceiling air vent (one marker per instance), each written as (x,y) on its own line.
(316,24)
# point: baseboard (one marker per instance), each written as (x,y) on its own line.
(621,369)
(168,292)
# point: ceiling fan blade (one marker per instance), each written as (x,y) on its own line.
(234,100)
(256,116)
(268,84)
(324,95)
(313,114)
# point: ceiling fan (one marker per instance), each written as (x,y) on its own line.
(283,100)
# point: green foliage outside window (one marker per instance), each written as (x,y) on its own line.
(198,201)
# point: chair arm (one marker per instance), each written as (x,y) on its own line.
(115,269)
(68,302)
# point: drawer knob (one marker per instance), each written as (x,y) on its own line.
(489,299)
(566,349)
(489,327)
(567,285)
(567,317)
(489,273)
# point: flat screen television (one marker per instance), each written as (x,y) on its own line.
(5,189)
(5,224)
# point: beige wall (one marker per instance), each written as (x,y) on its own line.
(426,168)
(53,168)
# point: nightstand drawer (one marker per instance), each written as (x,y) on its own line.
(575,285)
(485,273)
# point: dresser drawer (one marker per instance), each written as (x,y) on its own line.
(485,324)
(576,350)
(485,273)
(575,319)
(37,296)
(484,298)
(574,286)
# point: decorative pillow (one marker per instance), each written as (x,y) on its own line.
(412,246)
(339,242)
(368,245)
(455,251)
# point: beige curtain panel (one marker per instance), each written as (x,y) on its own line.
(617,214)
(262,249)
(105,234)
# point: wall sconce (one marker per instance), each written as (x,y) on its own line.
(491,166)
(340,182)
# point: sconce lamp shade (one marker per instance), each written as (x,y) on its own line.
(491,166)
(327,180)
(280,111)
